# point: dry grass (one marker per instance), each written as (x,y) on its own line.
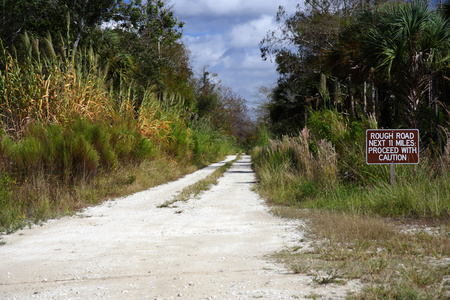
(296,151)
(53,96)
(290,173)
(58,93)
(391,262)
(304,172)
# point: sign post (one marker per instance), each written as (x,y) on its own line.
(392,174)
(392,146)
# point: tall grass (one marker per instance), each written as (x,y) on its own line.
(209,144)
(419,193)
(53,93)
(290,172)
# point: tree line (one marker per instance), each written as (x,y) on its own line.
(380,59)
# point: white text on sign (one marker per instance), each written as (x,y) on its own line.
(392,146)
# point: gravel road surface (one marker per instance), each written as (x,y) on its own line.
(213,247)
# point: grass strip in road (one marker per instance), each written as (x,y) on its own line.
(200,186)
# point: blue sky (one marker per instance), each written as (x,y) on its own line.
(225,34)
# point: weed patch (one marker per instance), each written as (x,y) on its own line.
(200,186)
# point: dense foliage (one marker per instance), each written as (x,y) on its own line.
(386,59)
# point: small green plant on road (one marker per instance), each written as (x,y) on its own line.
(200,186)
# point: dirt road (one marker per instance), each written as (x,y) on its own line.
(212,247)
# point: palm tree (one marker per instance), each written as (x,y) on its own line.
(407,44)
(446,9)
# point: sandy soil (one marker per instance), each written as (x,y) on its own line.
(212,247)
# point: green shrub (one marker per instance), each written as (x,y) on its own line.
(28,153)
(144,149)
(209,144)
(329,125)
(85,159)
(181,144)
(99,136)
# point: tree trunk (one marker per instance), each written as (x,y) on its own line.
(433,102)
(365,97)
(373,98)
(350,93)
(77,42)
(81,25)
(387,112)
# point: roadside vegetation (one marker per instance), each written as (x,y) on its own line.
(329,171)
(345,69)
(99,103)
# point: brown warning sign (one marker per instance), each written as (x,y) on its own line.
(387,146)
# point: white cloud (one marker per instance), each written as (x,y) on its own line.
(236,59)
(253,61)
(244,70)
(214,8)
(205,50)
(250,34)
